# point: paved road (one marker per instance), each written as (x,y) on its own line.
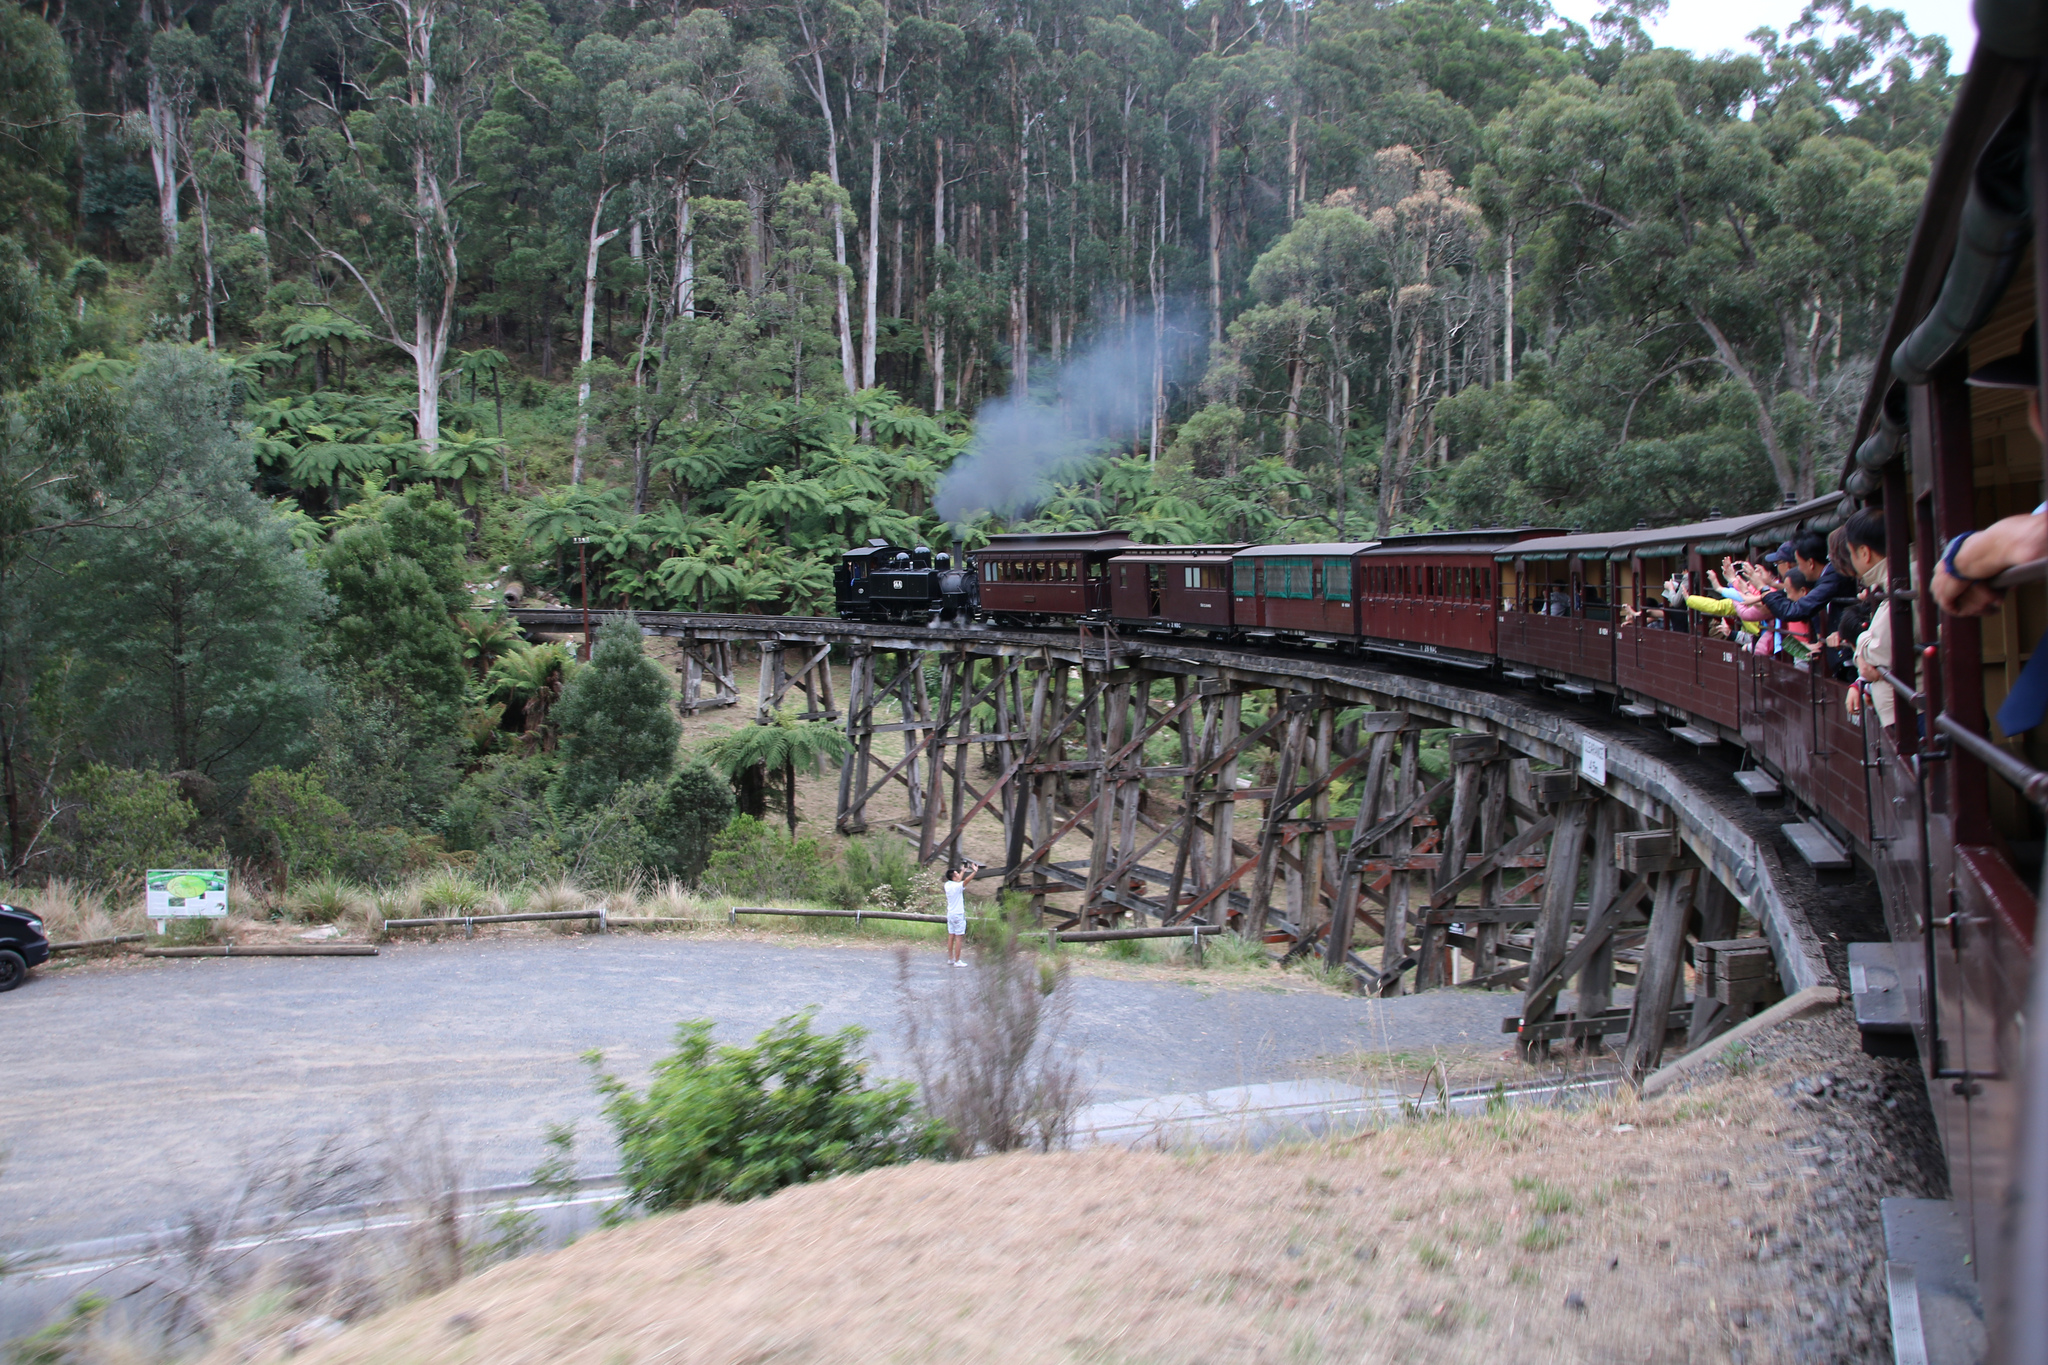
(134,1096)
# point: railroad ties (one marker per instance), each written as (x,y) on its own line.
(1154,782)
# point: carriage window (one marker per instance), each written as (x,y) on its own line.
(1337,580)
(1123,575)
(1095,569)
(1289,577)
(1242,571)
(1191,577)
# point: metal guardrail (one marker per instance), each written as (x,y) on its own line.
(2031,781)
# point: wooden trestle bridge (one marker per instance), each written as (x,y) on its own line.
(1124,772)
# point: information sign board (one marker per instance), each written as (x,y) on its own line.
(187,892)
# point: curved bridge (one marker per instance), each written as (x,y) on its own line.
(1116,766)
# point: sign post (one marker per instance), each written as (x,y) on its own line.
(186,893)
(582,544)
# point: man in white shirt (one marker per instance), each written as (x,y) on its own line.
(956,911)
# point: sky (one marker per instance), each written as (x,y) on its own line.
(1715,25)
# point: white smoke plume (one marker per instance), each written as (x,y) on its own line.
(1101,396)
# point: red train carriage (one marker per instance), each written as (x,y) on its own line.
(1032,578)
(1177,587)
(1433,596)
(1558,616)
(1298,591)
(1956,832)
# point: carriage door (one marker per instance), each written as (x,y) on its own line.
(1154,604)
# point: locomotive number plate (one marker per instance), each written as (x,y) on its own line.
(1726,657)
(897,584)
(1603,630)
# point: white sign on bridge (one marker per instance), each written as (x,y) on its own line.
(1593,761)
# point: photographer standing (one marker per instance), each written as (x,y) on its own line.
(956,911)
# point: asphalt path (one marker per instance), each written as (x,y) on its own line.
(135,1097)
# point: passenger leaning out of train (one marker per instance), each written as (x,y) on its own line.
(1810,557)
(1963,579)
(1864,535)
(1672,615)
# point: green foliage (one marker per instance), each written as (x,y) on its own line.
(881,872)
(125,823)
(688,813)
(386,762)
(39,115)
(194,655)
(732,1123)
(753,860)
(299,828)
(750,754)
(396,577)
(617,718)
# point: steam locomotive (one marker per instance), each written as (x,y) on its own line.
(885,582)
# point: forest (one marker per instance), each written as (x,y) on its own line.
(317,318)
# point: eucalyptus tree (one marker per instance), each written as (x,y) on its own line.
(397,159)
(1711,196)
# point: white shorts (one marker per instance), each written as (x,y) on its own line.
(956,924)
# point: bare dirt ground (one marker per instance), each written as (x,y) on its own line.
(1736,1222)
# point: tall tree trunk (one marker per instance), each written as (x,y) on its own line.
(686,255)
(824,96)
(938,252)
(1216,228)
(162,122)
(262,55)
(873,236)
(1297,372)
(594,242)
(1507,349)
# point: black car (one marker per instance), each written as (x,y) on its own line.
(884,582)
(22,945)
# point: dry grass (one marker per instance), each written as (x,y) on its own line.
(71,911)
(1619,1232)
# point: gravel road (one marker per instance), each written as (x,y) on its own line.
(137,1094)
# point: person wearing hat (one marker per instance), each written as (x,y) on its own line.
(1809,554)
(1964,577)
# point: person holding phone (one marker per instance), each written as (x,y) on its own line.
(956,911)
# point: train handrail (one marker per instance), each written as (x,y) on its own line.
(2030,781)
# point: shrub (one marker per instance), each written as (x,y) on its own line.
(688,812)
(882,873)
(616,719)
(300,828)
(127,822)
(452,893)
(737,1123)
(989,1052)
(325,900)
(751,860)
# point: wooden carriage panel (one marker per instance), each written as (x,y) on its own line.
(1839,787)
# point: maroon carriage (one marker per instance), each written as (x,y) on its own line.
(1433,595)
(1176,587)
(1034,578)
(1303,591)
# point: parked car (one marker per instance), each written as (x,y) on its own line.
(22,945)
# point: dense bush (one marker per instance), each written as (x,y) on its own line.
(737,1123)
(688,812)
(125,822)
(618,725)
(753,860)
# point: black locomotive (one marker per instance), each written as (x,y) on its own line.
(885,582)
